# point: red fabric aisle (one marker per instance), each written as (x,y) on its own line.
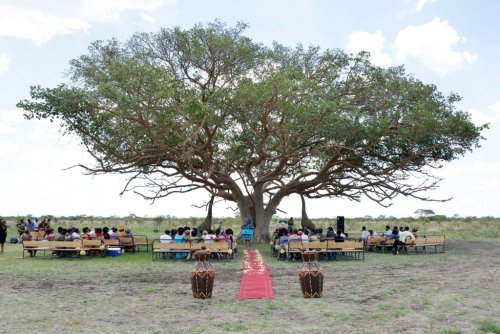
(255,281)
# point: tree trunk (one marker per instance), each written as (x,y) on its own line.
(253,207)
(305,221)
(207,224)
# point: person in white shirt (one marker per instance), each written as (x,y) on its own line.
(166,238)
(388,232)
(364,235)
(208,236)
(75,234)
(305,236)
(403,235)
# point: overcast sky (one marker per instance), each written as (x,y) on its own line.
(454,44)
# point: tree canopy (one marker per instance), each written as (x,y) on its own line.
(208,108)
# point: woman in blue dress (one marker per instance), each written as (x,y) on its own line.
(179,238)
(247,232)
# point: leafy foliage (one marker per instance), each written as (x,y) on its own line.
(209,108)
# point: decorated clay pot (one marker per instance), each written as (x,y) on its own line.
(311,275)
(202,275)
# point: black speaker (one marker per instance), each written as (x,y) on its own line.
(340,223)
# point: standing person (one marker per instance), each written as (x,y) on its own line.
(30,226)
(231,241)
(247,232)
(290,225)
(364,236)
(43,226)
(21,227)
(3,233)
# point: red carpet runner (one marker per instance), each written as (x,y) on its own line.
(255,281)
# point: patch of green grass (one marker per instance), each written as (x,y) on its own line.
(384,294)
(237,327)
(401,312)
(376,316)
(341,316)
(489,326)
(385,306)
(272,306)
(148,290)
(450,331)
(457,298)
(354,293)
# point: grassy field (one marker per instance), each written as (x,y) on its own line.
(453,292)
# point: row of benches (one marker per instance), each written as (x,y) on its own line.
(346,249)
(64,247)
(217,248)
(75,246)
(381,243)
(354,249)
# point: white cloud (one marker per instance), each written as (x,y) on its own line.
(36,26)
(9,119)
(371,42)
(491,115)
(4,62)
(432,45)
(422,3)
(40,21)
(148,18)
(7,148)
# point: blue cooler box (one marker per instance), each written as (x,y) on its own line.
(113,251)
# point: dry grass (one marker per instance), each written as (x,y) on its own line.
(454,292)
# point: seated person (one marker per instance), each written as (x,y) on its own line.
(50,236)
(105,233)
(113,234)
(85,234)
(179,238)
(403,238)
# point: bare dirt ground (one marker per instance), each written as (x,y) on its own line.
(452,292)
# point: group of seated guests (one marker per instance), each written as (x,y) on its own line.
(73,233)
(400,235)
(188,234)
(282,236)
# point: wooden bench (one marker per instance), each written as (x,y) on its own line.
(141,240)
(94,247)
(127,244)
(346,249)
(425,242)
(60,247)
(112,243)
(293,248)
(373,242)
(218,248)
(32,246)
(379,242)
(164,248)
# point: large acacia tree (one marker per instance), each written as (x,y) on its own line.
(208,108)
